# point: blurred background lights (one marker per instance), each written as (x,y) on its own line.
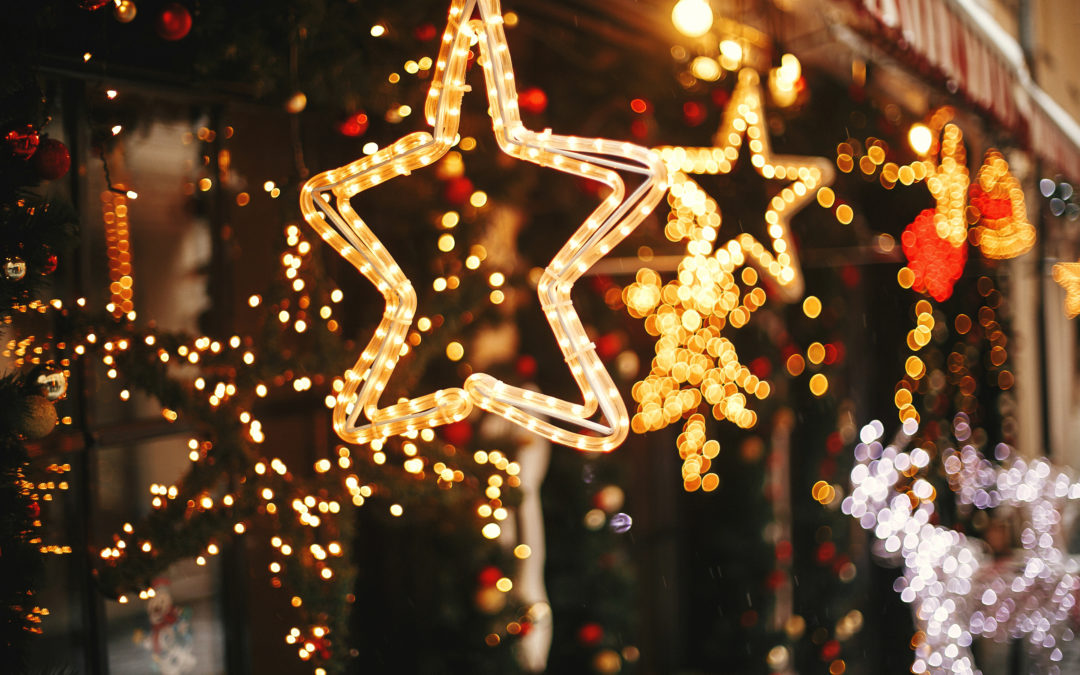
(921,138)
(692,18)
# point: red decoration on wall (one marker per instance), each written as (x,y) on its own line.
(936,263)
(174,22)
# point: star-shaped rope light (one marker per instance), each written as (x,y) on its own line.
(688,314)
(958,590)
(325,204)
(1067,275)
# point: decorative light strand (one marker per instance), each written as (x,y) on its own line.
(117,240)
(612,221)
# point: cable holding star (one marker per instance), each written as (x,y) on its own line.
(325,202)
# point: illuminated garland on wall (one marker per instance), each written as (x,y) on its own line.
(935,243)
(325,204)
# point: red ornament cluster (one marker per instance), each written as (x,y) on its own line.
(936,264)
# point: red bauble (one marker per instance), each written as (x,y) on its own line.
(50,264)
(174,22)
(761,367)
(526,366)
(826,552)
(489,576)
(458,190)
(830,650)
(23,142)
(694,113)
(52,159)
(533,100)
(34,509)
(608,346)
(936,263)
(354,125)
(457,433)
(590,634)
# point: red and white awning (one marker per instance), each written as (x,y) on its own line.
(983,62)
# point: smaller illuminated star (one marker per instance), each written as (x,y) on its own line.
(744,117)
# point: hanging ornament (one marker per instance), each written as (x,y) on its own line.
(52,159)
(14,268)
(53,384)
(51,261)
(23,142)
(92,5)
(124,11)
(934,263)
(1003,230)
(38,417)
(174,22)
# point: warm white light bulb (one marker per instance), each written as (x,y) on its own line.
(921,138)
(692,18)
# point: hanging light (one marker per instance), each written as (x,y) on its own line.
(692,18)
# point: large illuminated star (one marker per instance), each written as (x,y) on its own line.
(325,203)
(695,365)
(1068,277)
(744,117)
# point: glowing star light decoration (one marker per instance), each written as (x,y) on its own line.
(745,118)
(957,589)
(694,362)
(325,203)
(1068,277)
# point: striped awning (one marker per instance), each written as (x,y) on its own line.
(982,62)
